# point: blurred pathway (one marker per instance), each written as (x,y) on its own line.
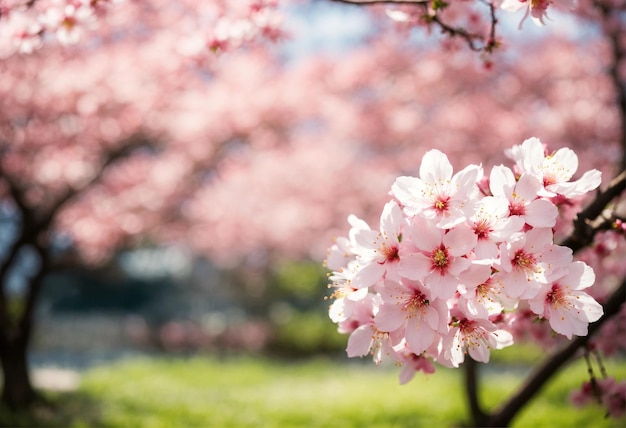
(55,379)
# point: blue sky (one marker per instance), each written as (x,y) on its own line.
(329,27)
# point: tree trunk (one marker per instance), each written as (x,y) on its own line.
(17,389)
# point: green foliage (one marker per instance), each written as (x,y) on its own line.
(306,334)
(303,282)
(439,5)
(298,312)
(76,410)
(522,353)
(254,392)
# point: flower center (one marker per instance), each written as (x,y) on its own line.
(390,253)
(517,208)
(439,258)
(467,326)
(482,229)
(483,289)
(548,179)
(69,22)
(524,260)
(416,303)
(442,204)
(556,296)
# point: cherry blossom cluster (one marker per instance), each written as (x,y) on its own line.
(234,25)
(25,25)
(606,392)
(457,256)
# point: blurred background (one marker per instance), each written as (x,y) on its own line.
(159,200)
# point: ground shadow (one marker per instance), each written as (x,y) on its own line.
(58,409)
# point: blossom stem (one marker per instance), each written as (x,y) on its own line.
(592,378)
(598,358)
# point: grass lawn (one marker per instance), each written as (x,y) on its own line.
(253,392)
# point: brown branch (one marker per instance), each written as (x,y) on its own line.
(491,42)
(584,231)
(121,151)
(433,17)
(368,2)
(5,320)
(27,234)
(614,27)
(34,225)
(543,373)
(470,372)
(25,324)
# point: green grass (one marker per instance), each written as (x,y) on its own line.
(253,392)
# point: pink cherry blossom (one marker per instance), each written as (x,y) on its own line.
(523,197)
(439,260)
(565,305)
(530,260)
(378,251)
(611,339)
(365,338)
(345,293)
(555,170)
(19,33)
(492,224)
(608,392)
(484,296)
(588,393)
(68,21)
(428,292)
(526,326)
(437,194)
(339,254)
(476,337)
(614,397)
(409,307)
(412,363)
(537,9)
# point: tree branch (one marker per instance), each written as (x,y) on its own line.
(614,30)
(584,232)
(25,325)
(121,151)
(588,223)
(470,371)
(431,16)
(35,222)
(367,2)
(27,233)
(543,373)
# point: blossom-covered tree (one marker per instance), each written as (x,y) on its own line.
(202,138)
(102,134)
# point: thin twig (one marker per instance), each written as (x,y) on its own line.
(368,2)
(432,17)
